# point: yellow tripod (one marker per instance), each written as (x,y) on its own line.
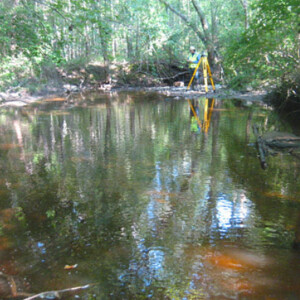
(206,70)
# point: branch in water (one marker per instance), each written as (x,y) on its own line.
(57,294)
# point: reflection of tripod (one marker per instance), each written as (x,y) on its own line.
(206,69)
(207,114)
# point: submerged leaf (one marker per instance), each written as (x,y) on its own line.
(70,267)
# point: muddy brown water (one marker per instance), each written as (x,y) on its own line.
(145,202)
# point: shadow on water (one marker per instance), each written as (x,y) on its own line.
(150,197)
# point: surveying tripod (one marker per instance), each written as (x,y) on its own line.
(206,69)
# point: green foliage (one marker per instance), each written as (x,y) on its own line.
(286,96)
(268,49)
(50,213)
(253,40)
(20,214)
(14,70)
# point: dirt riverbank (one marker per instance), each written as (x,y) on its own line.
(22,99)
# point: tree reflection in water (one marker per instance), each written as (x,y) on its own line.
(121,186)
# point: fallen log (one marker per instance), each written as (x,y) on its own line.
(262,150)
(274,142)
(281,140)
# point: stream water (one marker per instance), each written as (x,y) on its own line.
(142,199)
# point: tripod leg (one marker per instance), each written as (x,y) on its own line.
(194,74)
(194,113)
(210,77)
(210,113)
(205,74)
(205,115)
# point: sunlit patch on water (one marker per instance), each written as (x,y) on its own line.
(156,193)
(55,99)
(233,212)
(149,268)
(235,259)
(229,272)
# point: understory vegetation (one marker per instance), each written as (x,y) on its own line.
(250,43)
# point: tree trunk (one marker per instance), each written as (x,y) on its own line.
(129,47)
(203,35)
(137,40)
(103,41)
(245,7)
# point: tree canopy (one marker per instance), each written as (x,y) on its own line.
(246,40)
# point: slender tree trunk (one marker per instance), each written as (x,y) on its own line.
(104,46)
(204,35)
(245,7)
(129,47)
(137,40)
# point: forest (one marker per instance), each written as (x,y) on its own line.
(117,181)
(250,43)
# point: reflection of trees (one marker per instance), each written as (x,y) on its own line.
(265,188)
(108,137)
(85,167)
(125,183)
(215,161)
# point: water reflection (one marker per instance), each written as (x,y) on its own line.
(122,186)
(233,212)
(196,124)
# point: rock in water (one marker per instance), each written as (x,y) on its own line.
(70,88)
(50,295)
(178,84)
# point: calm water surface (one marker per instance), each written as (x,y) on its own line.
(146,203)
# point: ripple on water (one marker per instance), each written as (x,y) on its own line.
(144,205)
